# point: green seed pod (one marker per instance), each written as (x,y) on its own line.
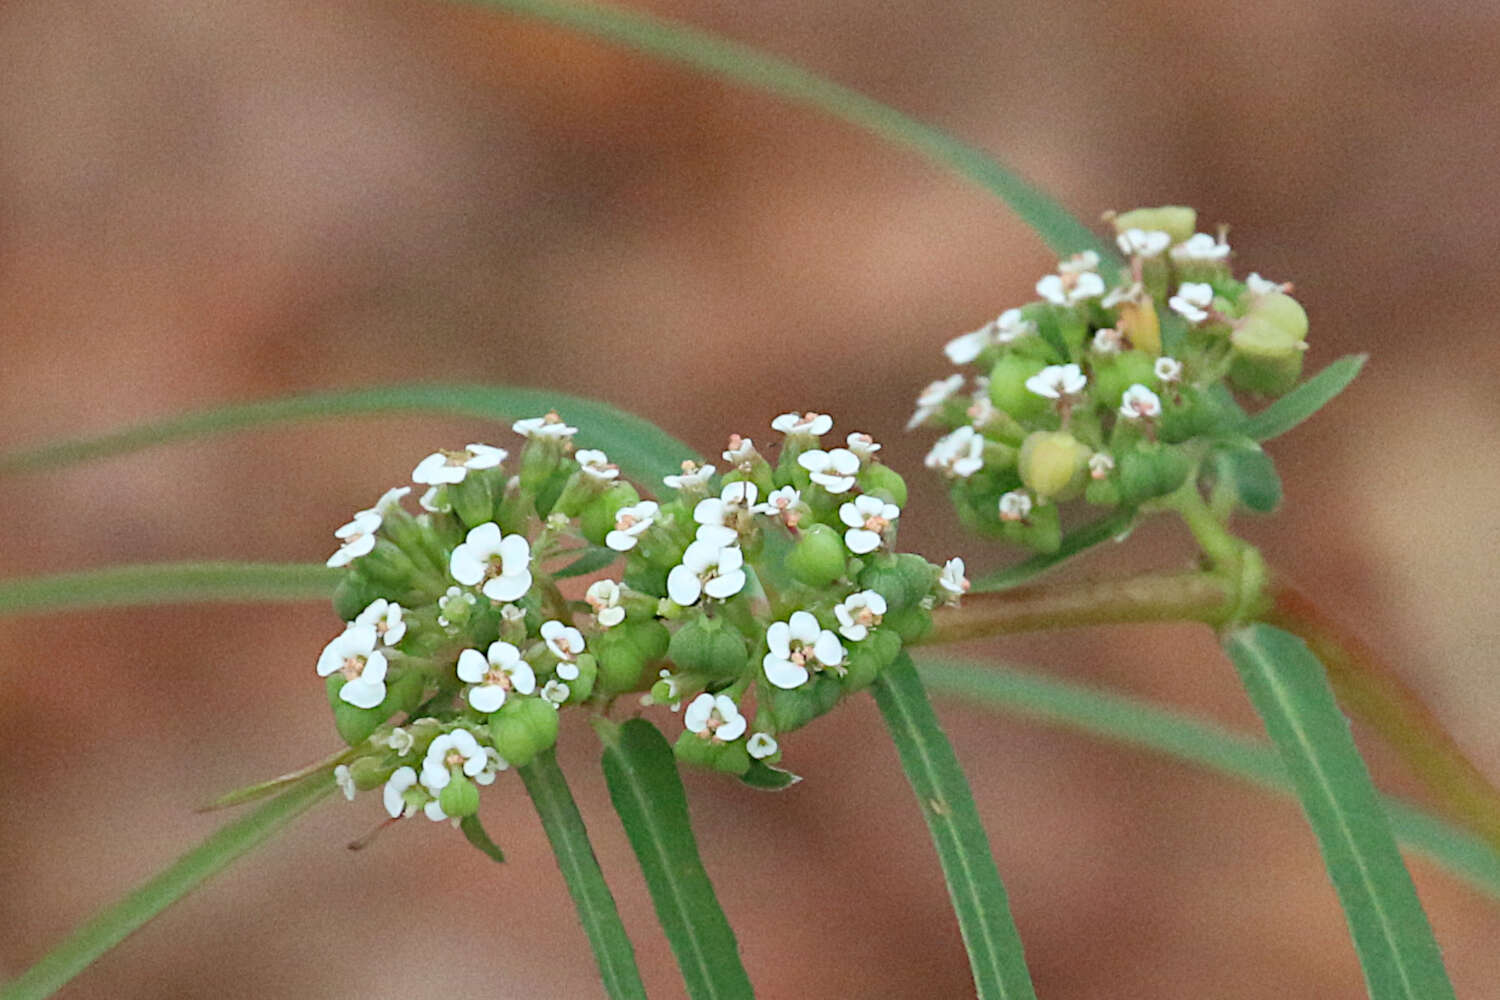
(883,481)
(1052,463)
(459,798)
(1267,356)
(903,580)
(1150,471)
(909,625)
(1177,221)
(1041,531)
(1114,374)
(710,647)
(796,708)
(523,728)
(582,686)
(872,654)
(475,498)
(1008,387)
(627,651)
(1282,310)
(818,558)
(597,519)
(353,594)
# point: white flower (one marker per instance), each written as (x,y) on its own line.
(630,523)
(1079,263)
(796,645)
(401,741)
(353,654)
(1132,292)
(502,563)
(493,765)
(394,793)
(1263,286)
(1200,247)
(981,411)
(693,476)
(833,470)
(933,397)
(1100,465)
(968,346)
(718,517)
(458,749)
(386,617)
(1058,381)
(1192,301)
(867,518)
(389,500)
(357,538)
(785,503)
(556,691)
(1140,402)
(863,445)
(707,569)
(761,745)
(1108,341)
(1015,506)
(1143,242)
(435,500)
(495,674)
(1069,289)
(1011,326)
(952,577)
(596,465)
(345,781)
(740,450)
(859,613)
(1168,369)
(549,426)
(814,424)
(714,717)
(603,596)
(959,453)
(566,643)
(444,468)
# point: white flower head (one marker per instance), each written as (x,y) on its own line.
(363,667)
(714,717)
(458,750)
(833,470)
(435,500)
(546,427)
(445,468)
(596,465)
(1101,464)
(718,517)
(740,450)
(401,740)
(1201,248)
(395,790)
(1015,506)
(386,616)
(761,745)
(565,642)
(1108,341)
(630,524)
(1140,403)
(952,579)
(1079,263)
(798,647)
(1058,381)
(867,519)
(707,570)
(1262,286)
(808,424)
(345,780)
(495,674)
(556,691)
(357,538)
(1143,242)
(501,563)
(933,397)
(1070,287)
(1011,326)
(858,613)
(863,445)
(1192,301)
(493,765)
(785,503)
(959,453)
(1168,370)
(694,476)
(967,347)
(603,596)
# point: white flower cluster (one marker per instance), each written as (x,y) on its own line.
(456,752)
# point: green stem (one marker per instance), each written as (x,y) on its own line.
(580,870)
(167,583)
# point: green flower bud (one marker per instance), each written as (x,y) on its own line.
(541,458)
(709,646)
(1177,221)
(523,728)
(1008,387)
(626,651)
(597,519)
(1052,463)
(1150,471)
(883,481)
(582,686)
(459,798)
(818,558)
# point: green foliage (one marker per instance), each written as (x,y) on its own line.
(1305,400)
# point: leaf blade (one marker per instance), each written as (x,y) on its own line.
(167,583)
(1305,400)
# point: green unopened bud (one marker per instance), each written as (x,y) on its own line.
(582,686)
(1052,463)
(1282,310)
(710,647)
(1177,221)
(884,482)
(459,798)
(597,519)
(523,728)
(819,557)
(1008,387)
(1040,530)
(910,624)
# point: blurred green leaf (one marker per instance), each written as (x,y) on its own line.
(1251,474)
(1305,400)
(594,558)
(475,834)
(772,779)
(167,583)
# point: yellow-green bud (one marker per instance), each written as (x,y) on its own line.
(1052,462)
(1282,310)
(1177,221)
(1267,356)
(523,728)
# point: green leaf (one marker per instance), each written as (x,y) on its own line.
(269,787)
(595,557)
(673,41)
(1139,723)
(1305,400)
(1287,685)
(647,794)
(979,899)
(167,583)
(111,926)
(576,860)
(767,778)
(643,450)
(475,834)
(1075,541)
(1251,474)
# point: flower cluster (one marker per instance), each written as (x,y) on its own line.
(752,601)
(1115,389)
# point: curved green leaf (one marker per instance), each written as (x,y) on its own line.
(1074,542)
(979,899)
(1286,683)
(198,865)
(673,41)
(475,833)
(643,450)
(1139,723)
(167,583)
(647,794)
(1305,400)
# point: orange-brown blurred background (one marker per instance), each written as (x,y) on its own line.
(213,201)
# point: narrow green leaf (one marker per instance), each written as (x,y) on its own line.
(1305,400)
(643,450)
(648,796)
(269,787)
(767,778)
(595,557)
(167,583)
(1139,723)
(1251,474)
(1074,542)
(576,860)
(112,925)
(979,900)
(475,834)
(1287,685)
(673,41)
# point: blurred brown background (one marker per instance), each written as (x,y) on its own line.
(214,201)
